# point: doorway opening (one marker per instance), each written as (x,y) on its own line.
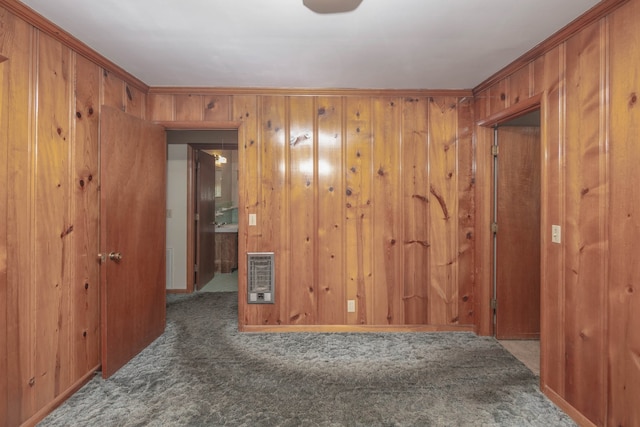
(202,210)
(517,236)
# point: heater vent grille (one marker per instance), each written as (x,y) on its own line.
(261,277)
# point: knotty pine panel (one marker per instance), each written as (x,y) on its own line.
(53,228)
(273,211)
(415,186)
(17,45)
(552,345)
(189,108)
(331,286)
(466,214)
(624,220)
(326,176)
(302,176)
(113,92)
(519,85)
(358,216)
(217,108)
(85,219)
(387,213)
(4,145)
(135,101)
(584,231)
(161,107)
(443,213)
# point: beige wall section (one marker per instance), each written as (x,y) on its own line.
(590,339)
(177,216)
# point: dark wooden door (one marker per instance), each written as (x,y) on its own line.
(206,211)
(518,237)
(133,205)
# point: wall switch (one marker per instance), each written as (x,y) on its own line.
(351,306)
(252,219)
(556,234)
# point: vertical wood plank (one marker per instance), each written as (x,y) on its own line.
(624,220)
(497,97)
(538,77)
(189,107)
(519,86)
(273,226)
(52,223)
(415,188)
(135,101)
(466,214)
(585,241)
(4,147)
(552,203)
(443,210)
(358,223)
(85,218)
(20,307)
(302,206)
(160,107)
(113,91)
(217,108)
(387,212)
(331,286)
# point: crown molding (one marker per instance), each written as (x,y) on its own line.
(180,90)
(602,9)
(41,23)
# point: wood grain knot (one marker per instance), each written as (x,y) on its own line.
(349,192)
(330,189)
(630,290)
(321,111)
(211,105)
(294,317)
(90,111)
(358,154)
(84,334)
(246,114)
(584,192)
(633,98)
(66,232)
(32,382)
(252,142)
(348,205)
(86,286)
(82,183)
(78,114)
(353,169)
(381,171)
(358,131)
(357,113)
(465,298)
(59,130)
(90,178)
(503,97)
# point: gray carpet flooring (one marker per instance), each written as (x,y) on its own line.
(202,372)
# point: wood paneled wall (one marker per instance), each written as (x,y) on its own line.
(366,197)
(49,185)
(590,303)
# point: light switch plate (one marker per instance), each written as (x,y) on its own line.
(252,219)
(556,234)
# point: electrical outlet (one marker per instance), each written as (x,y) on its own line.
(351,306)
(556,234)
(252,219)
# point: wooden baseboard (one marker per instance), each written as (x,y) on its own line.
(59,400)
(355,328)
(576,415)
(178,291)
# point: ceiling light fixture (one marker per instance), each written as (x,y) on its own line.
(332,6)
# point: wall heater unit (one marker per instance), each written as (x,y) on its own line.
(261,277)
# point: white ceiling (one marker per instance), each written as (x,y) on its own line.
(384,44)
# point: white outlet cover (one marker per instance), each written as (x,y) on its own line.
(252,219)
(351,306)
(556,234)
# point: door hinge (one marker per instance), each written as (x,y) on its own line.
(197,217)
(494,304)
(494,227)
(195,268)
(494,150)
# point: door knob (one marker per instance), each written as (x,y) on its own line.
(115,256)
